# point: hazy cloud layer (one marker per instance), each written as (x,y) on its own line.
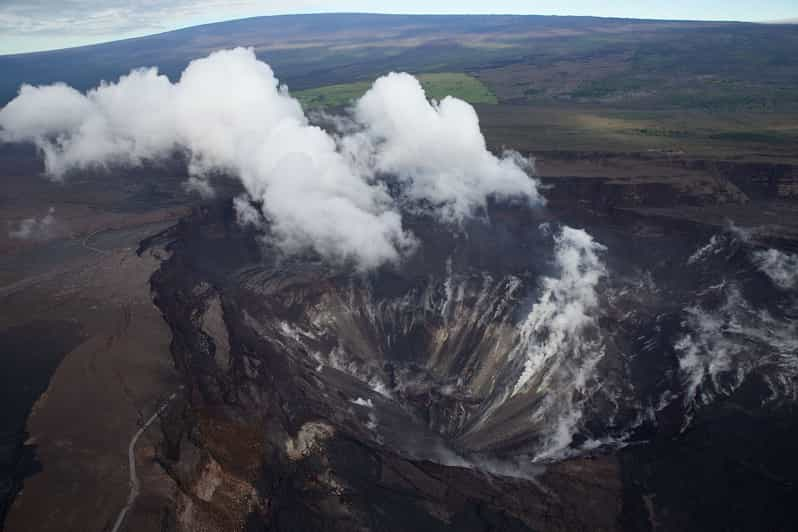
(94,17)
(229,114)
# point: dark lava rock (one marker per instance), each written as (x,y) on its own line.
(320,398)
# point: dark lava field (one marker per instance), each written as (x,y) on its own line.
(446,394)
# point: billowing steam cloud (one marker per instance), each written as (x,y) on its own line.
(437,149)
(229,115)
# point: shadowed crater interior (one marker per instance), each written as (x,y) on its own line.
(514,354)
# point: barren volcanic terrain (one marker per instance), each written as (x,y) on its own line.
(572,306)
(444,395)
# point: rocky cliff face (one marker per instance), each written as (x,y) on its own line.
(516,373)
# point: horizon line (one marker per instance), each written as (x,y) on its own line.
(350,13)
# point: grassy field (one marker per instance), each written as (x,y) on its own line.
(437,86)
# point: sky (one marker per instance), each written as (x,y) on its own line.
(33,25)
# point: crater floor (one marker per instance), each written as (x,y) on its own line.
(515,373)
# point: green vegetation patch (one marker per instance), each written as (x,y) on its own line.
(331,95)
(459,85)
(437,86)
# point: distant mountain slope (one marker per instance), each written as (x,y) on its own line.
(521,58)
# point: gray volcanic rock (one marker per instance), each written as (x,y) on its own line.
(512,374)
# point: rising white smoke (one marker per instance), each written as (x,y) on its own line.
(368,403)
(566,305)
(559,358)
(34,228)
(723,345)
(437,149)
(228,113)
(713,247)
(781,267)
(725,342)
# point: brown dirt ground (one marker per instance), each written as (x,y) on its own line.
(98,396)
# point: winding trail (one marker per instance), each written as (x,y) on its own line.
(86,242)
(131,456)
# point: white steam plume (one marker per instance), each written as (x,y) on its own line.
(559,355)
(437,148)
(228,113)
(34,228)
(566,305)
(782,268)
(722,346)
